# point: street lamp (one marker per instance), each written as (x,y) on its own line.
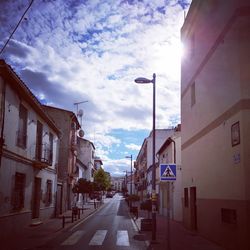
(142,80)
(131,159)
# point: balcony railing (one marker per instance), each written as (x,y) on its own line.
(43,157)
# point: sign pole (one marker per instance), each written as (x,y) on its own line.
(168,216)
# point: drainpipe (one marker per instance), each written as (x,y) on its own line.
(2,121)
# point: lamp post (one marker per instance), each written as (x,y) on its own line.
(142,80)
(131,159)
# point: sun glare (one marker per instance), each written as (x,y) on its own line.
(168,59)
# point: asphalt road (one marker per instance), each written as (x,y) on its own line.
(109,228)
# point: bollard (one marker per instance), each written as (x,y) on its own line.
(63,221)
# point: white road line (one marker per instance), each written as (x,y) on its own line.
(122,238)
(98,238)
(73,238)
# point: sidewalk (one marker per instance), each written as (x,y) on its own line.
(180,237)
(32,237)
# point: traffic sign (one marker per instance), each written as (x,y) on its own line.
(168,172)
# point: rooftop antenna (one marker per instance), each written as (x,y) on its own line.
(79,113)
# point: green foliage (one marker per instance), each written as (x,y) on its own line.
(101,180)
(82,186)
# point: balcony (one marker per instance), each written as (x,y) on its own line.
(43,157)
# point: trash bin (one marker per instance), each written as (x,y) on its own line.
(146,224)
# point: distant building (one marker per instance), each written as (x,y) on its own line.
(215,113)
(86,154)
(117,183)
(169,153)
(98,163)
(144,160)
(29,143)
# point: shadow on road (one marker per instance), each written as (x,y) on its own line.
(123,209)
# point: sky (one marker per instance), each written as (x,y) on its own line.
(72,51)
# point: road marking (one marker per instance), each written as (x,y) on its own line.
(122,238)
(98,238)
(73,239)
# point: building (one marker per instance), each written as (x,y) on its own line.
(86,154)
(28,156)
(98,163)
(144,160)
(215,118)
(67,167)
(169,153)
(117,183)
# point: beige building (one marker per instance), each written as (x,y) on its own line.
(28,157)
(68,170)
(215,113)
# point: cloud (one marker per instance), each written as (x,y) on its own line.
(133,146)
(72,51)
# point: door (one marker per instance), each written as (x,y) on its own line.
(59,200)
(193,208)
(36,198)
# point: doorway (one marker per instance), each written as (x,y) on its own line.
(193,208)
(59,200)
(36,198)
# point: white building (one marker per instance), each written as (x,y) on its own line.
(28,156)
(86,155)
(117,183)
(215,113)
(98,163)
(169,153)
(144,160)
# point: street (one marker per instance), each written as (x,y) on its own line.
(109,228)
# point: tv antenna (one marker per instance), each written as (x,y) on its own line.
(79,113)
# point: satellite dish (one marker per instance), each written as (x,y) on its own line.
(80,113)
(81,133)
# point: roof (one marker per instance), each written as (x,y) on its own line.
(164,145)
(15,82)
(98,159)
(80,138)
(70,113)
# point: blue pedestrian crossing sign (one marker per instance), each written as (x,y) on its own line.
(168,172)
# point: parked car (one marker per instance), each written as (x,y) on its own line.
(109,195)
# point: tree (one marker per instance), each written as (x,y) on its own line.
(101,179)
(83,187)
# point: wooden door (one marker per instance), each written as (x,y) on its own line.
(36,198)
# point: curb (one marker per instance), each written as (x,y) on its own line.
(137,229)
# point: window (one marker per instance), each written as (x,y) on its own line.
(39,139)
(48,198)
(193,96)
(50,148)
(235,134)
(19,191)
(228,216)
(22,127)
(185,197)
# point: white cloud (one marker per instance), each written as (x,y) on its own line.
(70,52)
(133,146)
